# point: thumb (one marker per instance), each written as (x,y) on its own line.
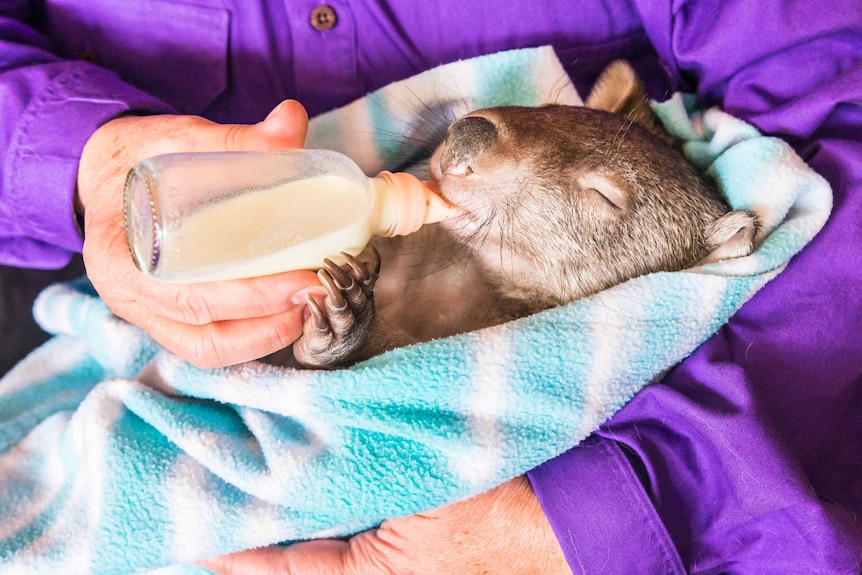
(371,552)
(319,557)
(285,127)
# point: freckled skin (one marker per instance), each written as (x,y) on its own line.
(561,202)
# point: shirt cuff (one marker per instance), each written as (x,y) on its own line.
(601,513)
(44,155)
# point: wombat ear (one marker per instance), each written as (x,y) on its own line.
(731,236)
(620,91)
(608,186)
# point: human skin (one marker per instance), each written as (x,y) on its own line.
(500,531)
(209,324)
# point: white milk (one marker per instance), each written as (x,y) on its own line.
(286,227)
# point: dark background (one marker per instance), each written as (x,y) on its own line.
(19,333)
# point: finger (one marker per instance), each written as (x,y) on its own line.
(286,125)
(325,557)
(227,342)
(204,303)
(284,128)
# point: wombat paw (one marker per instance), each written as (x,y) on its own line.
(334,334)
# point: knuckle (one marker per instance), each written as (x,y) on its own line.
(193,308)
(201,352)
(263,300)
(372,554)
(233,136)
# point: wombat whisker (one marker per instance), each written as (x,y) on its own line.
(557,87)
(607,150)
(619,138)
(508,230)
(443,111)
(528,242)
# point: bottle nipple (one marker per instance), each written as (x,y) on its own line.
(421,203)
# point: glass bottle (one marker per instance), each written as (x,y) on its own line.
(194,217)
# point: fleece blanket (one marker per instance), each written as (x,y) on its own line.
(118,457)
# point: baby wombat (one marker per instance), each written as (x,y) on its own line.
(561,202)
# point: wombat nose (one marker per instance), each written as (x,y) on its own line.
(465,141)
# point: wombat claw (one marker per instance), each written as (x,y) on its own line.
(365,273)
(336,330)
(320,324)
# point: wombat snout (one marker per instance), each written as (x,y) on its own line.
(466,139)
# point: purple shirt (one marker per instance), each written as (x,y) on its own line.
(746,458)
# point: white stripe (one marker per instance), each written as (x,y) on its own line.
(486,402)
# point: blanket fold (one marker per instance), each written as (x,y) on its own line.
(118,457)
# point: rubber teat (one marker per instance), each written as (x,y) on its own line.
(420,203)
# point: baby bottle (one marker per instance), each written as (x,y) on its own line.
(194,217)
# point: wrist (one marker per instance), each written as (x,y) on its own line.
(102,153)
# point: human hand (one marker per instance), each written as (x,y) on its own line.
(502,531)
(209,324)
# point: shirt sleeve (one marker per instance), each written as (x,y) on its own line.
(744,459)
(49,107)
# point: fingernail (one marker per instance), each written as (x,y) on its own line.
(275,110)
(298,298)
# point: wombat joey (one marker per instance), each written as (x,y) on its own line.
(560,202)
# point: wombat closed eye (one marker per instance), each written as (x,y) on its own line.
(560,201)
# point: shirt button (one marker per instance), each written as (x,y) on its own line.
(323,17)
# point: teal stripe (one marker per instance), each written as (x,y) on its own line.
(509,82)
(22,411)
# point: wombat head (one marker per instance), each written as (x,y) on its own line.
(564,201)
